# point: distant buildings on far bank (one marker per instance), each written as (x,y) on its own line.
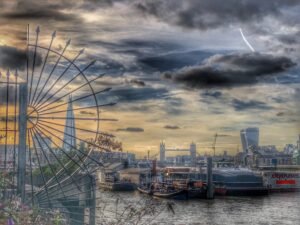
(249,137)
(254,155)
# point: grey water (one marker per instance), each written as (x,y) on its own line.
(277,208)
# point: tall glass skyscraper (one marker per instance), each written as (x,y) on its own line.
(249,137)
(70,134)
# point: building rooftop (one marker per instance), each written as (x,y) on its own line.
(135,170)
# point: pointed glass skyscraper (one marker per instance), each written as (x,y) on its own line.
(70,134)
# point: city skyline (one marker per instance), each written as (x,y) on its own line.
(153,64)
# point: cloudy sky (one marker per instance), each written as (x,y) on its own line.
(180,71)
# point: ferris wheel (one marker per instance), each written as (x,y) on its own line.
(52,122)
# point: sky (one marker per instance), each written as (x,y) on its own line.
(180,71)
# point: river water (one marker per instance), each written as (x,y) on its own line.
(277,208)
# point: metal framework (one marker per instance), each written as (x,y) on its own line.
(42,172)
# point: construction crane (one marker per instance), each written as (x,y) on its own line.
(215,141)
(152,156)
(152,162)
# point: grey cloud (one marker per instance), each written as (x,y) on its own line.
(231,70)
(131,129)
(128,94)
(171,127)
(94,4)
(211,14)
(137,82)
(175,60)
(14,58)
(214,94)
(244,105)
(42,10)
(280,114)
(41,14)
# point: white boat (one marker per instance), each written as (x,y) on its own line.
(282,179)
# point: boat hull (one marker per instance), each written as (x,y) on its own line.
(246,191)
(181,194)
(145,191)
(282,181)
(241,191)
(196,193)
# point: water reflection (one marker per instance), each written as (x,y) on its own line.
(279,208)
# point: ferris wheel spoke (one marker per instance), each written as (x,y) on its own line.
(87,142)
(71,118)
(43,67)
(62,150)
(75,148)
(40,105)
(81,108)
(72,189)
(60,175)
(76,89)
(47,159)
(37,131)
(36,102)
(41,171)
(55,65)
(34,60)
(73,100)
(80,129)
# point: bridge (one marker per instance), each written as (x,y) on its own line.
(192,150)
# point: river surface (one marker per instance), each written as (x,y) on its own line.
(125,208)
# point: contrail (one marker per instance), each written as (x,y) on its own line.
(245,40)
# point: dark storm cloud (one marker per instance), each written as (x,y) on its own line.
(171,127)
(214,94)
(131,129)
(136,82)
(129,94)
(151,44)
(231,70)
(289,39)
(141,48)
(211,14)
(95,4)
(103,64)
(57,10)
(14,58)
(41,10)
(41,14)
(171,61)
(244,105)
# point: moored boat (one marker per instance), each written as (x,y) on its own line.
(145,190)
(232,181)
(196,193)
(175,194)
(282,178)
